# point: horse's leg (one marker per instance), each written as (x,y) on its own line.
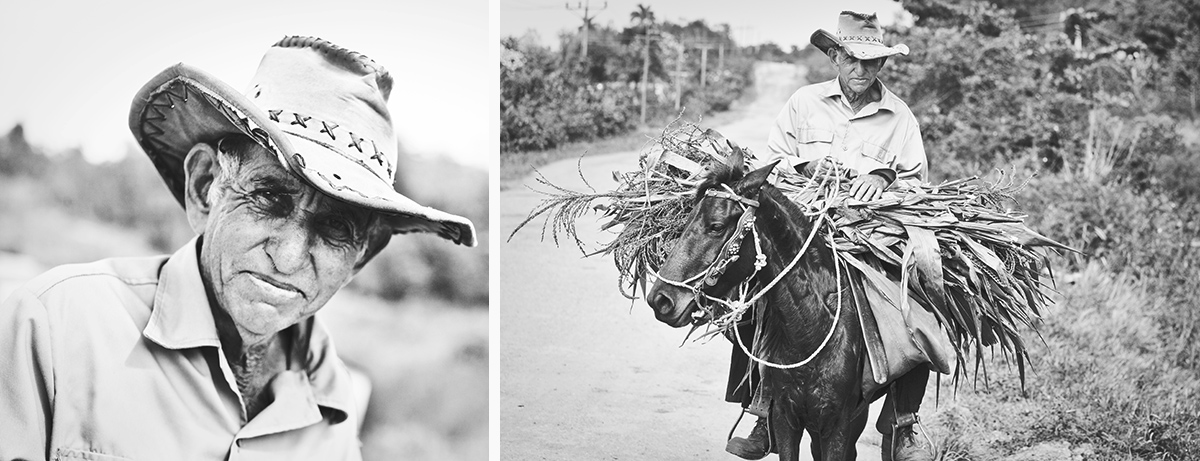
(788,441)
(787,435)
(854,432)
(838,443)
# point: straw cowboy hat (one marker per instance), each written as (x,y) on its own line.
(860,35)
(321,109)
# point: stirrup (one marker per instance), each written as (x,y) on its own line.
(771,448)
(910,420)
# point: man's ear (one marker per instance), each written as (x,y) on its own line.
(832,53)
(201,168)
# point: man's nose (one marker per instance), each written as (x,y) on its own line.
(289,248)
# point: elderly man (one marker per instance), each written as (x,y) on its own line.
(853,121)
(213,352)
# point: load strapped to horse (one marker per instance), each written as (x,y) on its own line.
(930,274)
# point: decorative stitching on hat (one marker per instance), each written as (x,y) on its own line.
(300,119)
(349,59)
(862,38)
(274,115)
(356,142)
(329,127)
(333,148)
(860,16)
(155,112)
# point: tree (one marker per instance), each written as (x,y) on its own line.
(645,20)
(643,16)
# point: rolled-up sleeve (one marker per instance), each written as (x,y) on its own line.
(26,378)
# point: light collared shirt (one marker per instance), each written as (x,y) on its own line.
(119,359)
(817,122)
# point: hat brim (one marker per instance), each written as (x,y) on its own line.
(183,106)
(824,40)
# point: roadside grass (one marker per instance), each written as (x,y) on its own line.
(516,166)
(1102,387)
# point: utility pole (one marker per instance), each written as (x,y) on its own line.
(646,39)
(704,47)
(720,58)
(679,77)
(587,21)
(645,71)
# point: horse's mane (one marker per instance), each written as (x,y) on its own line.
(787,220)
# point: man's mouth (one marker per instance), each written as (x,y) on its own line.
(275,288)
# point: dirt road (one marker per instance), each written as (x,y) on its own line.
(587,374)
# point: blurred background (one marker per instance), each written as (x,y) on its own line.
(75,188)
(1092,104)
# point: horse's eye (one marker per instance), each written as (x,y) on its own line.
(716,227)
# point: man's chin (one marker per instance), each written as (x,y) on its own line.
(260,318)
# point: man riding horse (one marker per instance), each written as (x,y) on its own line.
(854,121)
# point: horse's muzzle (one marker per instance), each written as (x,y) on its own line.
(669,306)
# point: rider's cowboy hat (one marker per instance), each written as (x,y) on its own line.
(860,35)
(321,109)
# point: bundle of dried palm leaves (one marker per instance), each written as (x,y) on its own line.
(958,248)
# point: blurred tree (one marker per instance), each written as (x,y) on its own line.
(17,157)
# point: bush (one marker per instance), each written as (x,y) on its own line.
(547,100)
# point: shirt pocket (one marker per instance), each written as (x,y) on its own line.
(878,153)
(813,142)
(811,135)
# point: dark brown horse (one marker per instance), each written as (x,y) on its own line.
(824,396)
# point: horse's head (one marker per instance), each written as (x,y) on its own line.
(702,257)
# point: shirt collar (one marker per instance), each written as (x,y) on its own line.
(181,318)
(888,101)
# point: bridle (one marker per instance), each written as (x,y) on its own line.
(729,254)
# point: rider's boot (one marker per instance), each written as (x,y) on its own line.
(904,443)
(899,414)
(756,446)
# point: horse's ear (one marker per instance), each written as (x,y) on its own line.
(736,160)
(752,182)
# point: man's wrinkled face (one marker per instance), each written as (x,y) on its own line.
(857,75)
(274,248)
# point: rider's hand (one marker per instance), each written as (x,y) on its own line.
(868,187)
(809,169)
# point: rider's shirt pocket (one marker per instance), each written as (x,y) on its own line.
(813,142)
(809,135)
(878,153)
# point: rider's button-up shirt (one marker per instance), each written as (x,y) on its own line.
(818,122)
(119,359)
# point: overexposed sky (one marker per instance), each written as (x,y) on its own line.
(785,22)
(69,70)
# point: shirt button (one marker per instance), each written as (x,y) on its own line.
(845,148)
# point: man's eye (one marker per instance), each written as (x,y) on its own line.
(337,229)
(273,202)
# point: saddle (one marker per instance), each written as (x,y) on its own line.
(896,343)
